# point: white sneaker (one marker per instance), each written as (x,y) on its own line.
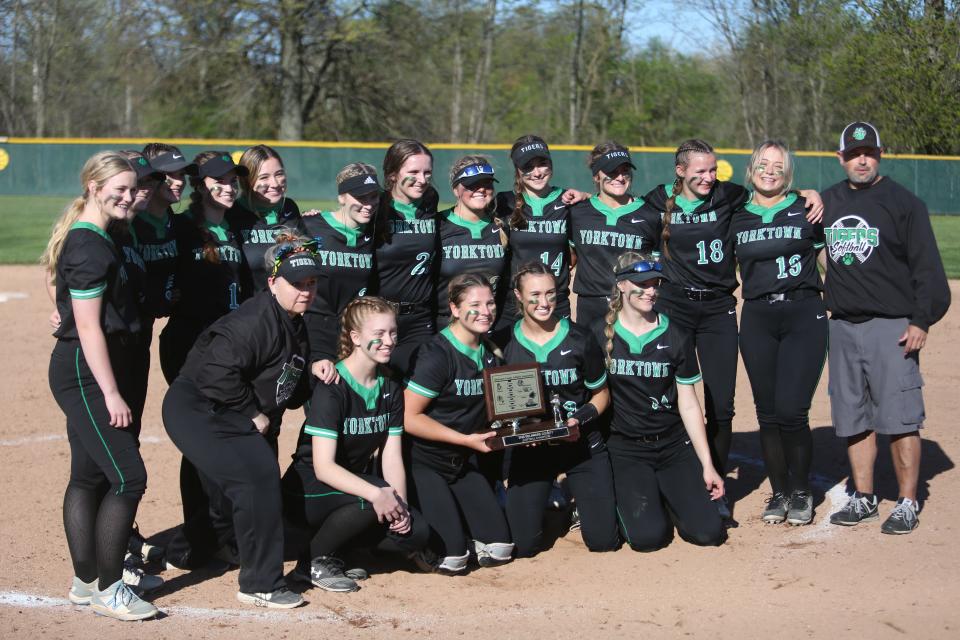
(120,602)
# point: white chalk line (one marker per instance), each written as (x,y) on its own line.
(12,295)
(355,619)
(54,437)
(836,493)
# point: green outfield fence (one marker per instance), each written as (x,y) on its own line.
(50,166)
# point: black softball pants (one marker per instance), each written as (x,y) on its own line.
(531,474)
(107,474)
(784,346)
(413,329)
(713,326)
(334,519)
(229,452)
(590,309)
(658,485)
(447,502)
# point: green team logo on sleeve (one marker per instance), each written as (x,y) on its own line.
(851,240)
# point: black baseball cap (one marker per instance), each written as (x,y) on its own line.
(609,161)
(640,272)
(523,154)
(144,171)
(473,174)
(359,185)
(859,134)
(298,265)
(173,161)
(220,165)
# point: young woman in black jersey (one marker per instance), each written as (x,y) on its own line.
(90,376)
(210,276)
(445,415)
(571,363)
(345,250)
(783,327)
(662,470)
(347,483)
(537,218)
(698,262)
(211,268)
(472,237)
(605,225)
(153,227)
(406,245)
(262,209)
(241,374)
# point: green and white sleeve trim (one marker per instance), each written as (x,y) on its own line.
(599,382)
(320,432)
(694,380)
(394,431)
(87,294)
(422,391)
(818,245)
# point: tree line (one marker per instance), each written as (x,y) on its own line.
(475,71)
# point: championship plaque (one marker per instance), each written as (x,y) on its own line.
(517,404)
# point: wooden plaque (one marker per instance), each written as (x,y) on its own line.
(514,391)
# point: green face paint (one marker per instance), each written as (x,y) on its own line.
(551,297)
(408,180)
(472,312)
(534,300)
(376,342)
(776,172)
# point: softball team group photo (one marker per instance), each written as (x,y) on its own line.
(379,317)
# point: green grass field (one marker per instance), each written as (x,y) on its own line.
(28,220)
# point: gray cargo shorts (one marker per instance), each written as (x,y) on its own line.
(873,386)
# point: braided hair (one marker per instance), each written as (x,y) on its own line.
(686,149)
(623,261)
(517,219)
(352,319)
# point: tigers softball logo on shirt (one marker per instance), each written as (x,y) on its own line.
(287,382)
(851,239)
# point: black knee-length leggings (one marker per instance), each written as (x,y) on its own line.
(659,484)
(784,346)
(227,450)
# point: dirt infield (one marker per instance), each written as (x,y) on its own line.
(765,581)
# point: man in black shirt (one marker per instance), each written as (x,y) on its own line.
(885,287)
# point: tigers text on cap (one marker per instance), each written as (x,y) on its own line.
(298,266)
(522,155)
(859,134)
(220,165)
(171,162)
(609,161)
(474,174)
(359,185)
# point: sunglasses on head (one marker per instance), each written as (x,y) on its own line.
(474,170)
(640,267)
